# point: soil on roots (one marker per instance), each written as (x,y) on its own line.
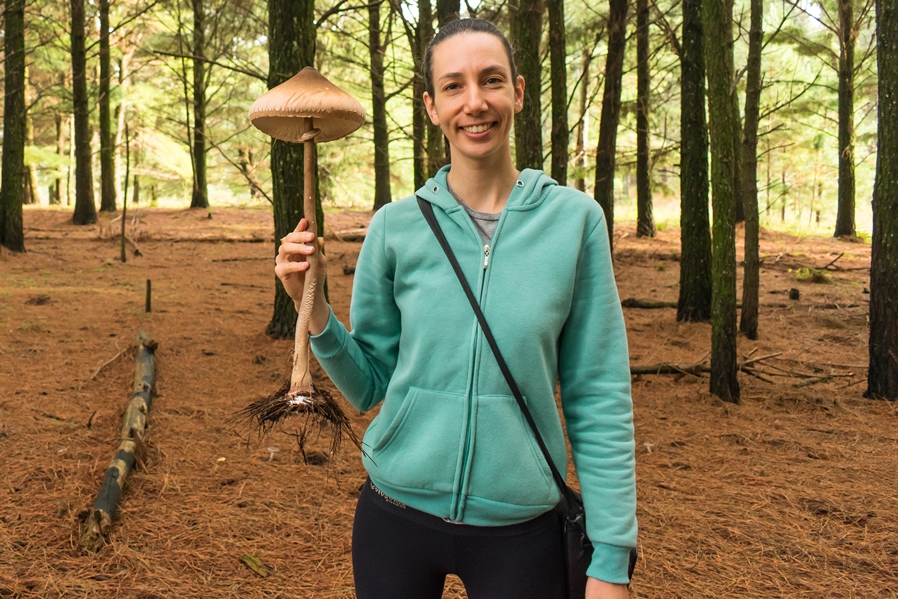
(789,494)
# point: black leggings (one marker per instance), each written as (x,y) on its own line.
(402,553)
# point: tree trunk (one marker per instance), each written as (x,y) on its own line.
(526,33)
(291,47)
(737,152)
(582,127)
(717,16)
(748,321)
(614,70)
(136,199)
(85,209)
(845,213)
(200,198)
(694,304)
(379,110)
(645,222)
(882,378)
(131,449)
(558,60)
(107,147)
(436,146)
(419,116)
(447,10)
(121,111)
(12,234)
(56,194)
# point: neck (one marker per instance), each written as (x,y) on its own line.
(484,185)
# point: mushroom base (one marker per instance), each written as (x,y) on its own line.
(315,408)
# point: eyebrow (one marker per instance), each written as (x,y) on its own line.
(496,68)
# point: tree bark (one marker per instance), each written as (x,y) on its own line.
(526,33)
(419,118)
(436,146)
(291,47)
(30,193)
(558,61)
(96,528)
(605,153)
(57,186)
(85,209)
(107,147)
(200,197)
(847,33)
(582,128)
(882,378)
(748,320)
(645,222)
(694,303)
(447,10)
(12,234)
(717,16)
(382,195)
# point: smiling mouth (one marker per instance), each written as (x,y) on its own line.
(478,128)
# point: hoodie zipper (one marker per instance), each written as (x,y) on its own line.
(457,512)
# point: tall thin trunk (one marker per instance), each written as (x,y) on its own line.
(737,152)
(582,124)
(558,60)
(748,321)
(379,110)
(645,221)
(30,194)
(694,304)
(57,185)
(12,234)
(847,33)
(121,110)
(526,33)
(85,209)
(717,16)
(614,70)
(291,47)
(200,197)
(882,377)
(419,119)
(107,147)
(447,10)
(436,146)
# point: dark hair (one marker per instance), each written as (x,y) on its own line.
(463,26)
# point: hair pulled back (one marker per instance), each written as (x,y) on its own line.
(457,27)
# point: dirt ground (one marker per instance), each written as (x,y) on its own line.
(790,494)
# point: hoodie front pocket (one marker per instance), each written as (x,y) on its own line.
(508,466)
(421,446)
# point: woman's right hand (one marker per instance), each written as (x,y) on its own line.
(291,265)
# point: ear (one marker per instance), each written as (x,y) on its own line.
(519,94)
(431,109)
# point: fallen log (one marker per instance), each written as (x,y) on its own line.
(97,522)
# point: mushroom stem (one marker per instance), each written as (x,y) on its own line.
(301,378)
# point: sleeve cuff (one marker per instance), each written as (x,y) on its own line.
(609,563)
(330,341)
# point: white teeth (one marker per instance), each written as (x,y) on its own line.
(478,128)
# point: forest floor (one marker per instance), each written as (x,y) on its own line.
(789,494)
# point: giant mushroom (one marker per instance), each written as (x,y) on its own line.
(307,109)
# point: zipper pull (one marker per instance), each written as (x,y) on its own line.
(486,256)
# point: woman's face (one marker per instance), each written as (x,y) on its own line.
(475,96)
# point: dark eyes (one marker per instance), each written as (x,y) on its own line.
(488,81)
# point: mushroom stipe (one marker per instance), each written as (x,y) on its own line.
(265,413)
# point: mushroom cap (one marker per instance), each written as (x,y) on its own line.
(281,112)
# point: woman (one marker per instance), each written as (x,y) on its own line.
(457,483)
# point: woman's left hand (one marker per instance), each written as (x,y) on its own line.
(599,589)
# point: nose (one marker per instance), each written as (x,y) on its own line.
(474,100)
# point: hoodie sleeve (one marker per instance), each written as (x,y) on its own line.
(594,371)
(360,362)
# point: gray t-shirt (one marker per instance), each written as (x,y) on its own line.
(484,221)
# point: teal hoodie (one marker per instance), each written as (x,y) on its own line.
(450,439)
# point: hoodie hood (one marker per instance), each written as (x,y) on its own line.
(531,188)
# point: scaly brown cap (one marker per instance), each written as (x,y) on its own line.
(281,112)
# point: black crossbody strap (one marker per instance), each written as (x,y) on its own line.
(427,210)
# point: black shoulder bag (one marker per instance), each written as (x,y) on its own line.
(576,543)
